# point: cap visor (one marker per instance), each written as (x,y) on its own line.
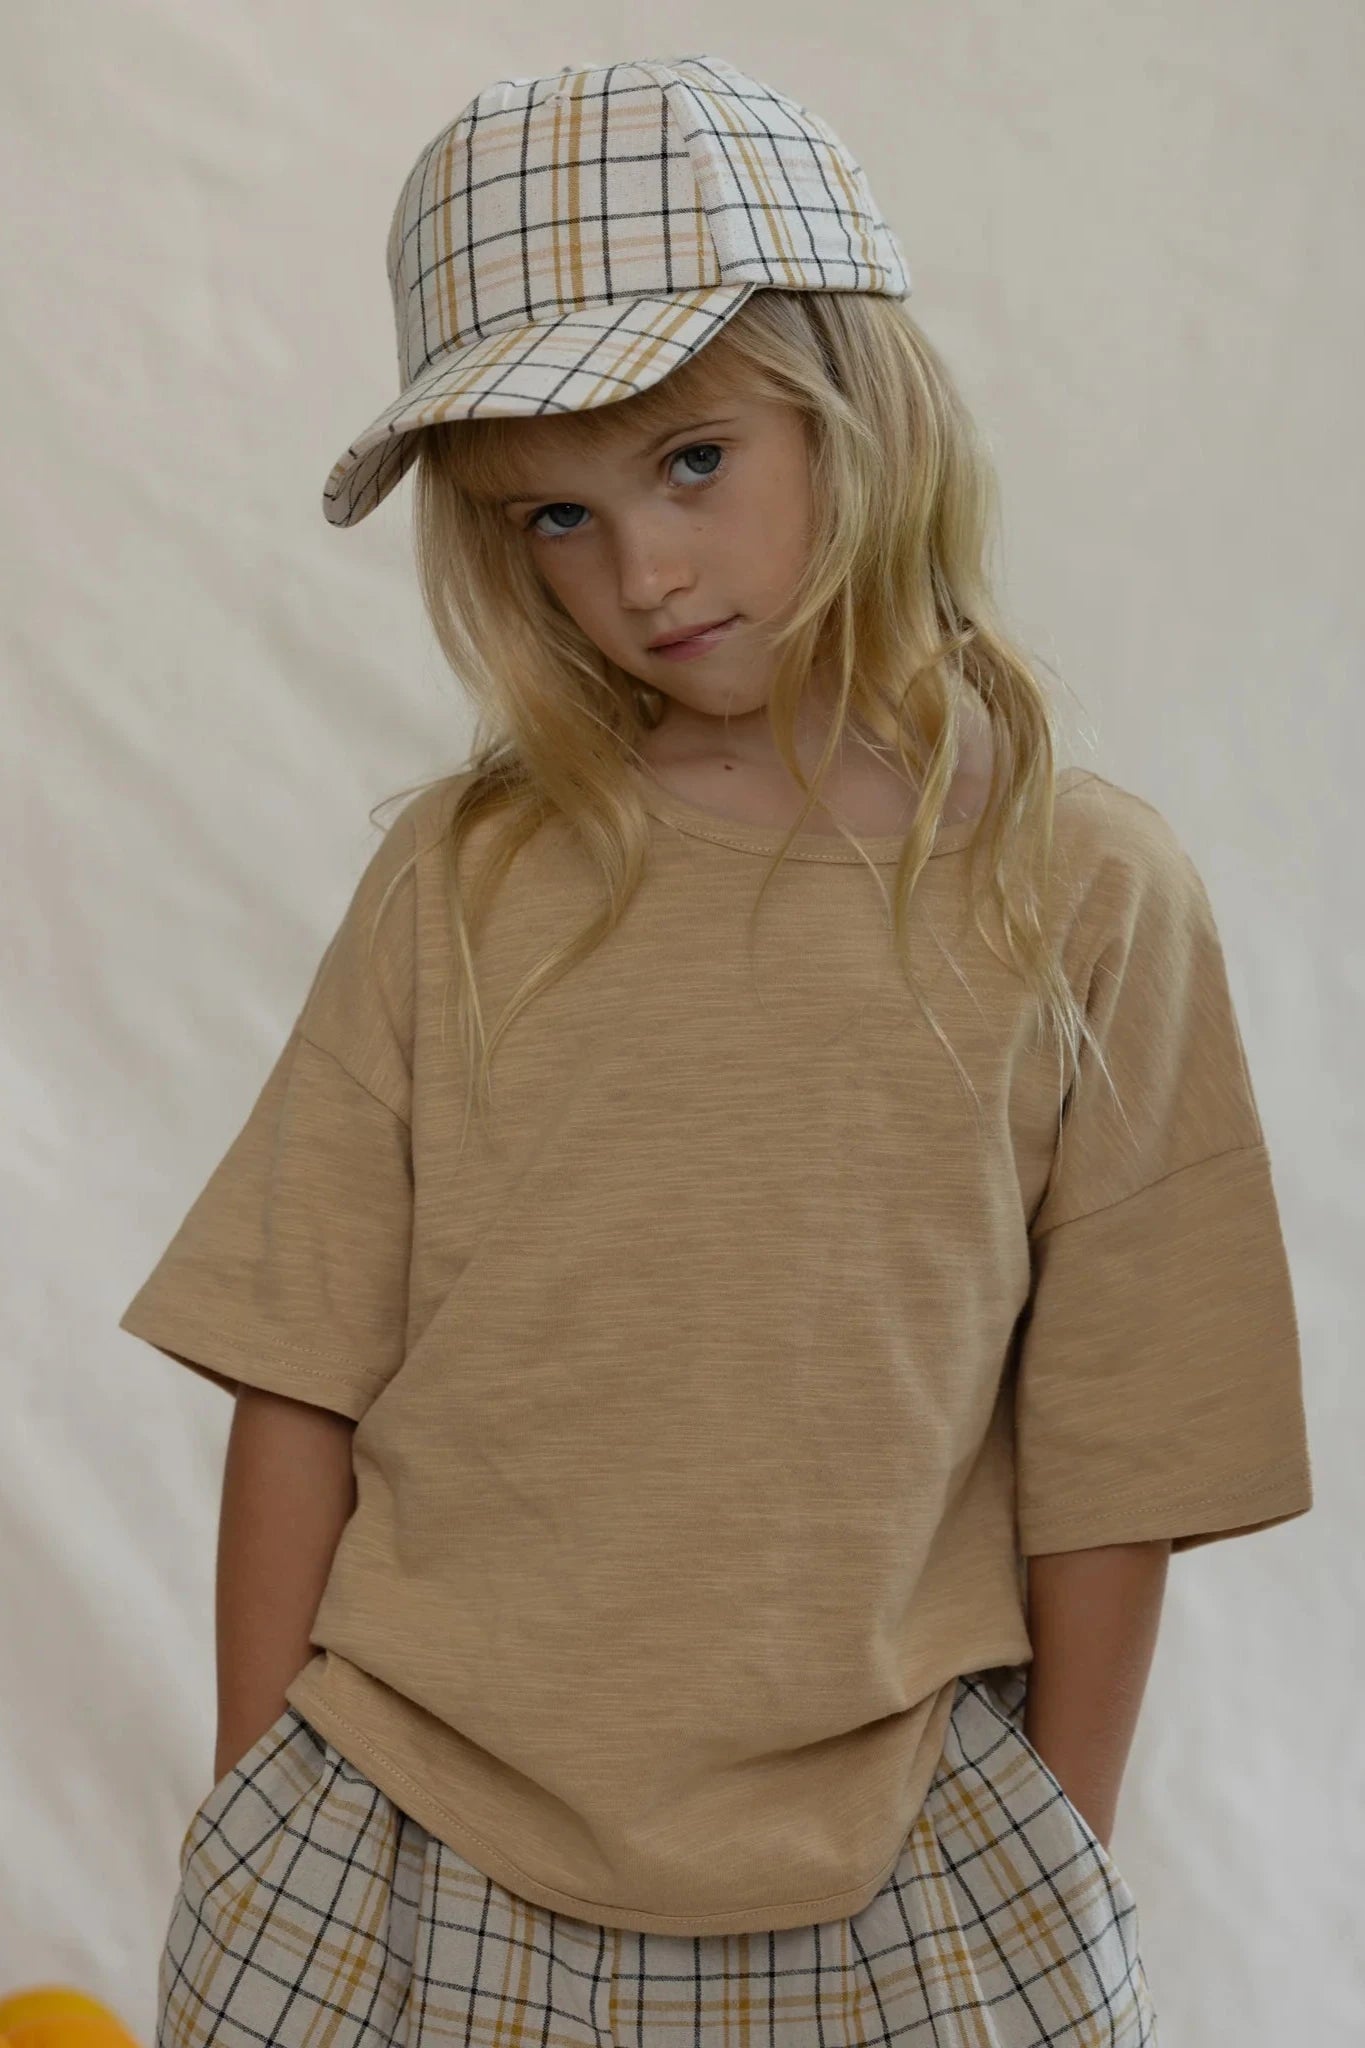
(589,357)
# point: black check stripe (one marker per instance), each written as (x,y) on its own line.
(616,189)
(579,359)
(311,1908)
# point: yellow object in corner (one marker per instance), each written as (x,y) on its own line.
(58,2016)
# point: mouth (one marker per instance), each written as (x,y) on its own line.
(697,641)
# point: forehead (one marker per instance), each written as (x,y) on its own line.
(513,454)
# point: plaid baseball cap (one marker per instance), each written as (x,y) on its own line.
(569,240)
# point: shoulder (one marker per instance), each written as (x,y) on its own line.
(1120,869)
(383,893)
(415,828)
(424,814)
(1098,824)
(1110,840)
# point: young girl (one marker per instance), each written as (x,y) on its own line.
(759,1241)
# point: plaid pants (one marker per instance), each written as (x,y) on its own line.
(313,1913)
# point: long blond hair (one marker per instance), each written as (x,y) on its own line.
(895,596)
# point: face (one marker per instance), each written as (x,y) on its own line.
(643,535)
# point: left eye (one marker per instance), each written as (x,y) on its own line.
(706,448)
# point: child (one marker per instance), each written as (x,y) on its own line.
(760,1232)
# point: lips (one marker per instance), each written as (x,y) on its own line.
(690,633)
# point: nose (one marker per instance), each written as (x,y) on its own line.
(652,563)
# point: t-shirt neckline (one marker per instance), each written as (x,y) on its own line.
(882,849)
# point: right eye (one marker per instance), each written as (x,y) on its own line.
(533,523)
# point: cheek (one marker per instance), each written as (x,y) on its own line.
(569,586)
(770,528)
(583,592)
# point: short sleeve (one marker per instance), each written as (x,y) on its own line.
(1159,1384)
(290,1270)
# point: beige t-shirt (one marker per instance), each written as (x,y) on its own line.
(706,1409)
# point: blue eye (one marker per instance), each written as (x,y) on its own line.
(534,526)
(706,448)
(709,453)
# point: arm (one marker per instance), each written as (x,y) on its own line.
(1092,1621)
(288,1491)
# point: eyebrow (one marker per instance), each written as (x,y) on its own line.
(690,427)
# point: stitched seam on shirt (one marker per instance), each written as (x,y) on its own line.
(847,859)
(1266,1478)
(364,1086)
(1231,1152)
(242,1338)
(720,837)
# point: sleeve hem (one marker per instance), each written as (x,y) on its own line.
(245,1358)
(1278,1493)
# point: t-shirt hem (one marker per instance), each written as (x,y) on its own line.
(1277,1493)
(245,1357)
(307,1694)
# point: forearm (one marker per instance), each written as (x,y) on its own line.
(288,1491)
(1093,1617)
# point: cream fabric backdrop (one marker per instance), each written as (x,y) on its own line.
(1135,233)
